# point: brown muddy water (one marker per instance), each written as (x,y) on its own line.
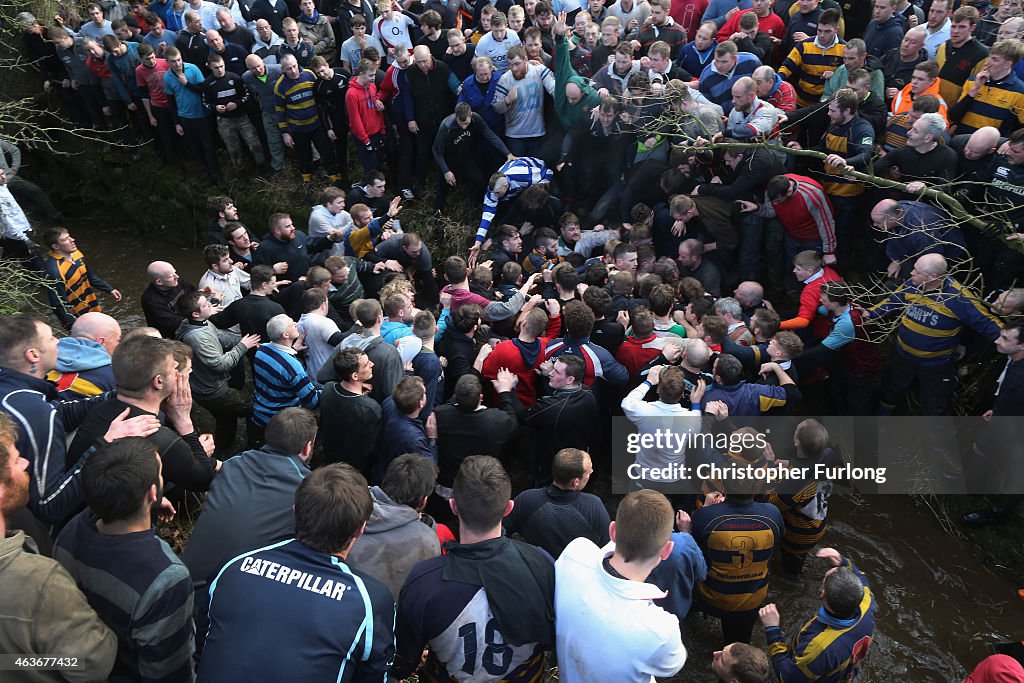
(940,609)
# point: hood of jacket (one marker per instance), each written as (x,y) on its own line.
(185,329)
(387,514)
(365,343)
(77,355)
(322,212)
(354,84)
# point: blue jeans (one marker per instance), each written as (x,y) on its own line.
(749,253)
(846,210)
(525,147)
(794,247)
(370,160)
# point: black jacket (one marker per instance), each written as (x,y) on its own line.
(874,111)
(251,313)
(161,307)
(261,9)
(460,351)
(551,518)
(297,253)
(565,419)
(194,49)
(430,92)
(749,178)
(349,425)
(378,205)
(185,463)
(482,432)
(761,46)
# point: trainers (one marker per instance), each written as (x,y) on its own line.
(407,194)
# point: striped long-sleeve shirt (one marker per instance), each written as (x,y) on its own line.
(826,649)
(929,330)
(807,215)
(295,102)
(520,173)
(717,87)
(806,65)
(72,286)
(281,382)
(141,590)
(999,104)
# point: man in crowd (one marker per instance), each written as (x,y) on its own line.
(332,506)
(552,516)
(280,378)
(83,357)
(618,607)
(46,611)
(216,354)
(844,624)
(71,282)
(130,576)
(488,584)
(250,503)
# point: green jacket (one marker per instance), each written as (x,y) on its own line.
(570,114)
(42,612)
(839,79)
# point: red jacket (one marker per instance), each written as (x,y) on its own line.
(363,118)
(507,355)
(635,353)
(807,215)
(772,25)
(861,356)
(784,97)
(687,14)
(810,299)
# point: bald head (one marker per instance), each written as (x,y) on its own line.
(422,58)
(982,143)
(1011,28)
(885,212)
(749,293)
(100,328)
(158,269)
(932,264)
(696,353)
(917,33)
(214,39)
(742,85)
(764,78)
(573,93)
(163,275)
(1010,302)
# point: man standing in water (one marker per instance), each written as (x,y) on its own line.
(831,645)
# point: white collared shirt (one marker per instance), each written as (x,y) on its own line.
(932,41)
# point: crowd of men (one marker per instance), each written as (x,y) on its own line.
(679,225)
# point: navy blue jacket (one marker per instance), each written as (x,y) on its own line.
(42,420)
(481,102)
(881,38)
(296,253)
(400,434)
(334,622)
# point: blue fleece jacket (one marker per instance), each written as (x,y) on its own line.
(83,369)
